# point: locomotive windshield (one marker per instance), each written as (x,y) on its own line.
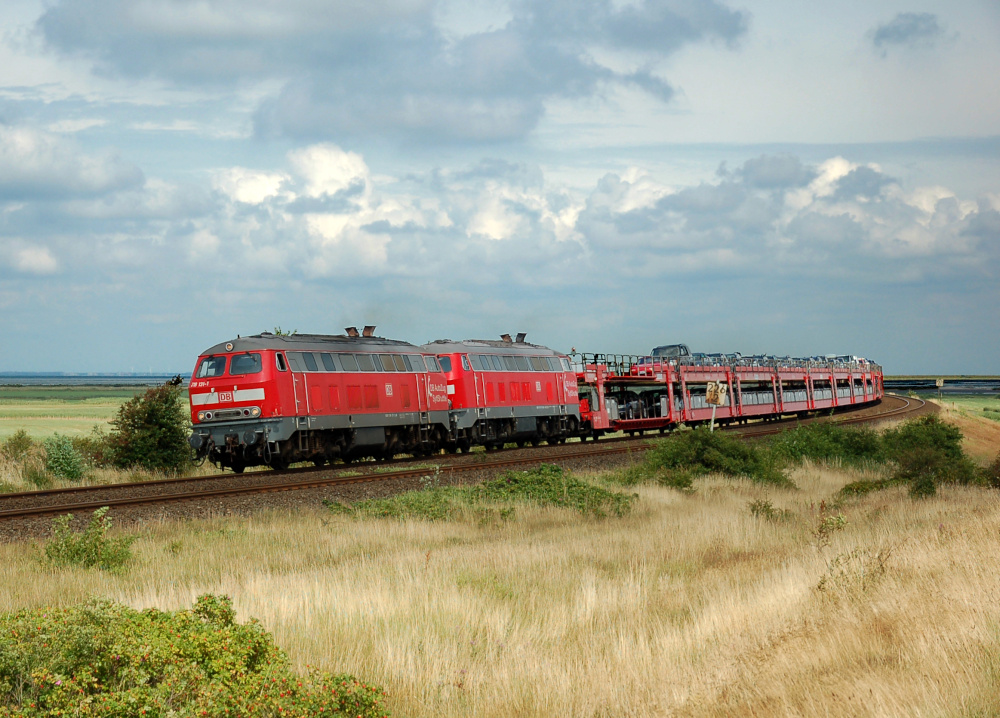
(211,366)
(245,364)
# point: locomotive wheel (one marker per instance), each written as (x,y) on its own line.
(535,441)
(521,443)
(319,461)
(238,467)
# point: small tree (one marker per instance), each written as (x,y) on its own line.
(150,431)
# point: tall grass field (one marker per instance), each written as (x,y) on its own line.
(703,581)
(43,411)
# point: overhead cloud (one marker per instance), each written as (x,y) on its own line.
(908,29)
(39,165)
(387,67)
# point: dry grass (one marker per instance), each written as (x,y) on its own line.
(982,433)
(690,606)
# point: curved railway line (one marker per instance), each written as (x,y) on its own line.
(18,508)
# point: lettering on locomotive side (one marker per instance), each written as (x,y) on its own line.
(437,387)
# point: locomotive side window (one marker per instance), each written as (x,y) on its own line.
(398,361)
(245,364)
(432,363)
(211,366)
(477,364)
(497,364)
(536,363)
(522,363)
(365,362)
(310,361)
(565,363)
(279,359)
(328,362)
(465,363)
(553,363)
(509,363)
(348,362)
(387,363)
(445,364)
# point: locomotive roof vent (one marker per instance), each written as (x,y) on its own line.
(506,338)
(520,337)
(368,331)
(352,331)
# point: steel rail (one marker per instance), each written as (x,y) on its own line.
(310,483)
(639,444)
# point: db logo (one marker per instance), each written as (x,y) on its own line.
(225,396)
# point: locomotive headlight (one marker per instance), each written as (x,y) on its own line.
(208,415)
(201,416)
(255,411)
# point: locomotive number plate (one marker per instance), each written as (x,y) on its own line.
(225,396)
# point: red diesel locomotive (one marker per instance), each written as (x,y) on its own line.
(279,399)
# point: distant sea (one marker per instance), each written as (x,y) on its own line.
(70,379)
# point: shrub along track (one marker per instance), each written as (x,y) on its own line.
(25,514)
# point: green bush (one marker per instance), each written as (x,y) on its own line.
(826,441)
(62,459)
(17,446)
(677,460)
(106,660)
(150,431)
(991,474)
(928,452)
(92,548)
(546,485)
(550,485)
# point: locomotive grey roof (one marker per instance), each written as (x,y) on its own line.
(311,342)
(487,346)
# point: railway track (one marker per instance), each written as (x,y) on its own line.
(34,504)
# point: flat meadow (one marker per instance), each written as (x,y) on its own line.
(74,411)
(729,598)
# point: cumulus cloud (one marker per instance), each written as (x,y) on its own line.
(908,29)
(387,66)
(35,260)
(37,164)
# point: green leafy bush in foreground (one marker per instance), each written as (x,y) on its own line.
(106,660)
(91,548)
(546,485)
(150,431)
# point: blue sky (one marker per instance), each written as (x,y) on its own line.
(605,175)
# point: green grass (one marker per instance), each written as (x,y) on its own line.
(985,405)
(43,411)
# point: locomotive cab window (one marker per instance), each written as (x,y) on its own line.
(279,360)
(245,364)
(465,363)
(445,364)
(210,367)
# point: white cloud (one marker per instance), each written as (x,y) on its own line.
(40,164)
(35,260)
(249,186)
(327,169)
(77,125)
